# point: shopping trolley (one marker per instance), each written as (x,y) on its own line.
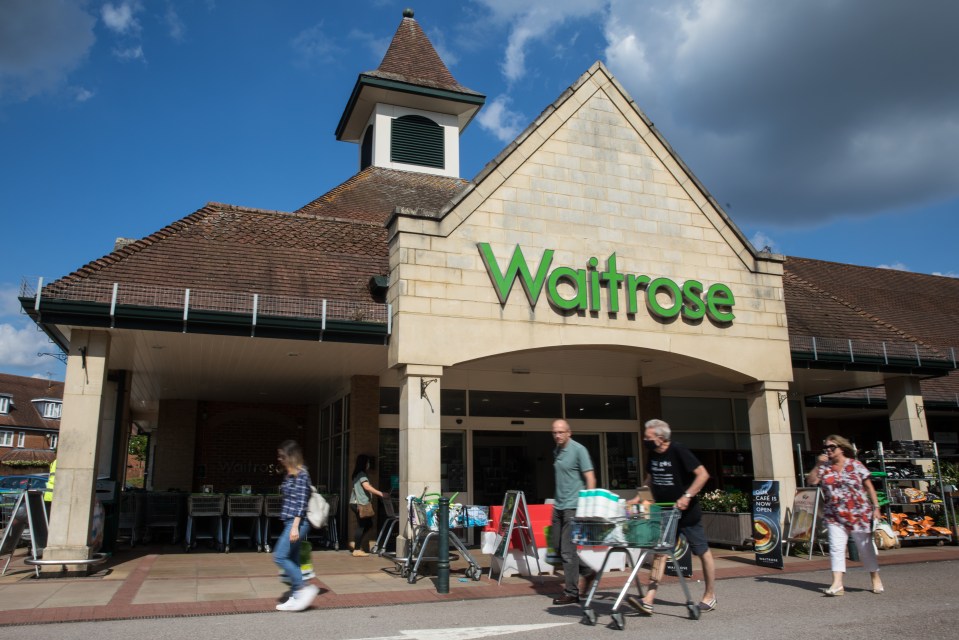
(131,515)
(208,506)
(243,506)
(652,532)
(163,511)
(388,528)
(425,527)
(272,509)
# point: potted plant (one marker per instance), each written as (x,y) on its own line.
(727,518)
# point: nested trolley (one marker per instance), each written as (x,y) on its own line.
(272,508)
(240,508)
(653,532)
(208,506)
(424,524)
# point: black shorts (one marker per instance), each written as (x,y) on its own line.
(695,536)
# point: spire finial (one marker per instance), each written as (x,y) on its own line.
(407,13)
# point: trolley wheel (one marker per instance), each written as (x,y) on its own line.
(474,573)
(589,617)
(186,548)
(694,611)
(226,548)
(618,621)
(266,548)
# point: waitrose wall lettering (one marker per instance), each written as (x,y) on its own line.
(691,298)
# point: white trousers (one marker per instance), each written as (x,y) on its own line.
(838,538)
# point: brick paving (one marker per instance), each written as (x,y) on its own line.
(176,581)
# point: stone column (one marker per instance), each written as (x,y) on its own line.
(907,414)
(73,493)
(419,432)
(771,437)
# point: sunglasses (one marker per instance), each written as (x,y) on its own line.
(830,447)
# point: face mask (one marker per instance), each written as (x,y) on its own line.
(650,445)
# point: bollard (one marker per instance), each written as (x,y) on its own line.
(443,548)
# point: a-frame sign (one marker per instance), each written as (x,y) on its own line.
(514,519)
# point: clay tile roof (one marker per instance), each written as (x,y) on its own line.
(918,307)
(235,249)
(411,58)
(374,193)
(29,455)
(23,390)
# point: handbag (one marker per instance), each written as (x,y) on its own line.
(364,510)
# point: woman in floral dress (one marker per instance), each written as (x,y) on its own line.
(851,506)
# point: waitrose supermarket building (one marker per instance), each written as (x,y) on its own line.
(441,324)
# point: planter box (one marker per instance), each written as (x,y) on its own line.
(726,528)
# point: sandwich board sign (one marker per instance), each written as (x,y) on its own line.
(804,520)
(514,518)
(28,513)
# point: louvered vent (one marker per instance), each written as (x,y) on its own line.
(417,140)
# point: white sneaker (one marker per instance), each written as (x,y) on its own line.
(304,597)
(289,605)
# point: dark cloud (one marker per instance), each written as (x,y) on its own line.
(800,110)
(40,44)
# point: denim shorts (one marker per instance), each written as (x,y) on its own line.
(696,537)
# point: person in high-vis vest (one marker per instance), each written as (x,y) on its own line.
(48,493)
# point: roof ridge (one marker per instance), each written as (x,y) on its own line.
(859,310)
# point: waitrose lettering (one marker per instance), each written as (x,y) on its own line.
(691,299)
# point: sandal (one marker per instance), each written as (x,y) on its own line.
(642,607)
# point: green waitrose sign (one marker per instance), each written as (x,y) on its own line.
(690,299)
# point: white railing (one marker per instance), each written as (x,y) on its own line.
(870,352)
(255,305)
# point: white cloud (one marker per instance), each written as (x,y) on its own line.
(895,266)
(82,94)
(376,46)
(122,17)
(497,118)
(130,53)
(534,20)
(41,43)
(19,345)
(947,274)
(313,46)
(175,26)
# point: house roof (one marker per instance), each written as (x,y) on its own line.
(373,194)
(227,248)
(23,391)
(831,299)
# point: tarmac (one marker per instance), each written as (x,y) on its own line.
(155,581)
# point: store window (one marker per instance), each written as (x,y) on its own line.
(515,404)
(595,407)
(453,461)
(622,460)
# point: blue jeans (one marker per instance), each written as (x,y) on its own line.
(286,555)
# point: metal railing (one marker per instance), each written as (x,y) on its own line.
(869,352)
(253,304)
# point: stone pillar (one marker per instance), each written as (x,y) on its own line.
(771,437)
(73,493)
(419,432)
(650,402)
(907,414)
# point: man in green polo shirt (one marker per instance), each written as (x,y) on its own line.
(574,472)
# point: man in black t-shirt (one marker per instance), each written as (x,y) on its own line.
(675,475)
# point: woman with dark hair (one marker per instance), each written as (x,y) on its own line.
(360,502)
(851,506)
(296,490)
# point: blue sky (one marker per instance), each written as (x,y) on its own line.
(827,130)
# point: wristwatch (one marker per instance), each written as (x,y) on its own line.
(688,495)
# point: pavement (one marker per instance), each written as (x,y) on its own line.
(155,581)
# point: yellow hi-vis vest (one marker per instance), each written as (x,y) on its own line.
(48,494)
